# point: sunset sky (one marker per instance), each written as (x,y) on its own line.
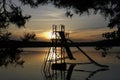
(81,28)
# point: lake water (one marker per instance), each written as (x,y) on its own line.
(32,68)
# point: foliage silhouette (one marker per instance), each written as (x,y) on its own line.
(115,35)
(28,37)
(108,8)
(10,56)
(11,13)
(104,50)
(5,36)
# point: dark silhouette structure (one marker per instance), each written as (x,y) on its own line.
(55,59)
(11,13)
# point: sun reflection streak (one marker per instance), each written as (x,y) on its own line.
(53,55)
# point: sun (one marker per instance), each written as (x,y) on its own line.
(47,35)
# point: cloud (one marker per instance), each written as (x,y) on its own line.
(45,13)
(39,20)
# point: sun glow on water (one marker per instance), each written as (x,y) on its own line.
(53,55)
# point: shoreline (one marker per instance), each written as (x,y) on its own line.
(30,44)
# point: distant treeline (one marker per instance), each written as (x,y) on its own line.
(22,44)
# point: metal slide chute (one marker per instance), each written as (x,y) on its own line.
(64,43)
(93,61)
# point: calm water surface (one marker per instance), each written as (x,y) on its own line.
(32,69)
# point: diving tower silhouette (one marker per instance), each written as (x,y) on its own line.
(55,56)
(60,37)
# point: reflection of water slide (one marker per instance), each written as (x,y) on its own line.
(56,74)
(63,75)
(92,73)
(70,70)
(89,56)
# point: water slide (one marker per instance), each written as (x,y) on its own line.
(93,61)
(64,42)
(69,53)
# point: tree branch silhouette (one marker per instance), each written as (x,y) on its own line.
(11,14)
(108,8)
